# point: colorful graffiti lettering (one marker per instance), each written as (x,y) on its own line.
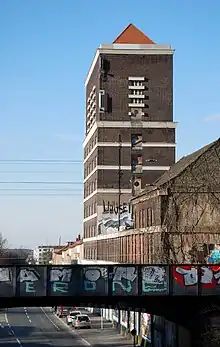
(124,277)
(92,275)
(29,276)
(154,279)
(60,278)
(188,275)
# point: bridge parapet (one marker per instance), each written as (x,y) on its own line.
(109,280)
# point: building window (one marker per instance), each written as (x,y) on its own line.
(137,92)
(137,83)
(149,217)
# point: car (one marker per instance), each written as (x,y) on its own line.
(81,321)
(63,311)
(71,315)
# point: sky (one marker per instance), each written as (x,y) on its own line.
(46,48)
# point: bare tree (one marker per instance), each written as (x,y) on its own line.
(3,243)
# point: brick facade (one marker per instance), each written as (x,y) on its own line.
(132,247)
(111,76)
(158,72)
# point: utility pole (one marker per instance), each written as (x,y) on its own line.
(119,180)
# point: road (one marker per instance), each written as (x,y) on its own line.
(102,333)
(39,327)
(35,327)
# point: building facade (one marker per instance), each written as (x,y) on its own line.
(71,253)
(184,205)
(130,133)
(43,254)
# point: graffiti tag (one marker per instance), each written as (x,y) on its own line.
(188,275)
(154,279)
(124,277)
(113,207)
(61,278)
(5,275)
(29,276)
(92,275)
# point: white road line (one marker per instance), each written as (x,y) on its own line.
(50,319)
(25,310)
(84,341)
(12,331)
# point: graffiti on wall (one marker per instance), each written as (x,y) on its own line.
(124,280)
(107,280)
(60,279)
(109,217)
(214,255)
(154,279)
(124,318)
(115,315)
(5,274)
(188,275)
(136,141)
(95,279)
(193,279)
(6,281)
(29,277)
(146,325)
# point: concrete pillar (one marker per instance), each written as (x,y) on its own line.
(206,330)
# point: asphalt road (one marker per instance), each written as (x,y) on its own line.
(102,333)
(36,327)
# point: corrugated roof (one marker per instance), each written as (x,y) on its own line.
(132,35)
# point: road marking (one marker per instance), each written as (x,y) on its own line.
(50,319)
(25,310)
(84,341)
(11,330)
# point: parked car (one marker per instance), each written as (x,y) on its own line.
(71,315)
(63,311)
(81,321)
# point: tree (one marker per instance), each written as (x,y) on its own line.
(3,243)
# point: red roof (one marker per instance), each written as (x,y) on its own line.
(132,35)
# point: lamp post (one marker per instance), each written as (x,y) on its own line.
(119,180)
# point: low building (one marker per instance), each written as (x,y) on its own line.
(175,219)
(71,253)
(179,215)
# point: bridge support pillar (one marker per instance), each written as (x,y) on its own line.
(205,331)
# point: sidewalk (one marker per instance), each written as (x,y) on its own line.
(107,336)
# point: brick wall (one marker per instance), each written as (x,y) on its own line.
(158,71)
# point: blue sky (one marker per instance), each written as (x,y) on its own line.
(46,50)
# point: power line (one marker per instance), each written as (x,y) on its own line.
(37,161)
(36,172)
(41,182)
(40,189)
(39,195)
